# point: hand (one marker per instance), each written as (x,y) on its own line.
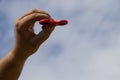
(26,41)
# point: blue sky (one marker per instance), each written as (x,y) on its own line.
(85,49)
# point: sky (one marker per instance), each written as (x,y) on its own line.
(85,49)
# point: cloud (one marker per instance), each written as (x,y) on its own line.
(86,48)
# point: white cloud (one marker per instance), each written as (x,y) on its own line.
(89,43)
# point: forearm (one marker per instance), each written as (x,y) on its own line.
(26,43)
(11,66)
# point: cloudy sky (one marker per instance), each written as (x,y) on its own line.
(85,49)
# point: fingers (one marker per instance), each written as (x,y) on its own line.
(30,18)
(31,29)
(49,29)
(33,11)
(44,34)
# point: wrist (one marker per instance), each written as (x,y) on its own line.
(18,54)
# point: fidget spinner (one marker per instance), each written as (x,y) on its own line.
(45,22)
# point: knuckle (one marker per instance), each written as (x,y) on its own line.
(34,10)
(16,23)
(40,11)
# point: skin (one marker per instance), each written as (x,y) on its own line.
(26,43)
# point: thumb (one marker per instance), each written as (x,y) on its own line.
(42,36)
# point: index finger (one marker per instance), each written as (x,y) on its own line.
(33,11)
(28,20)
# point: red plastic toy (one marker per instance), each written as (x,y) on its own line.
(53,22)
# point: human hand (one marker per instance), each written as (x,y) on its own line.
(26,41)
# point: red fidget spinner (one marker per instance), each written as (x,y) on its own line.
(53,22)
